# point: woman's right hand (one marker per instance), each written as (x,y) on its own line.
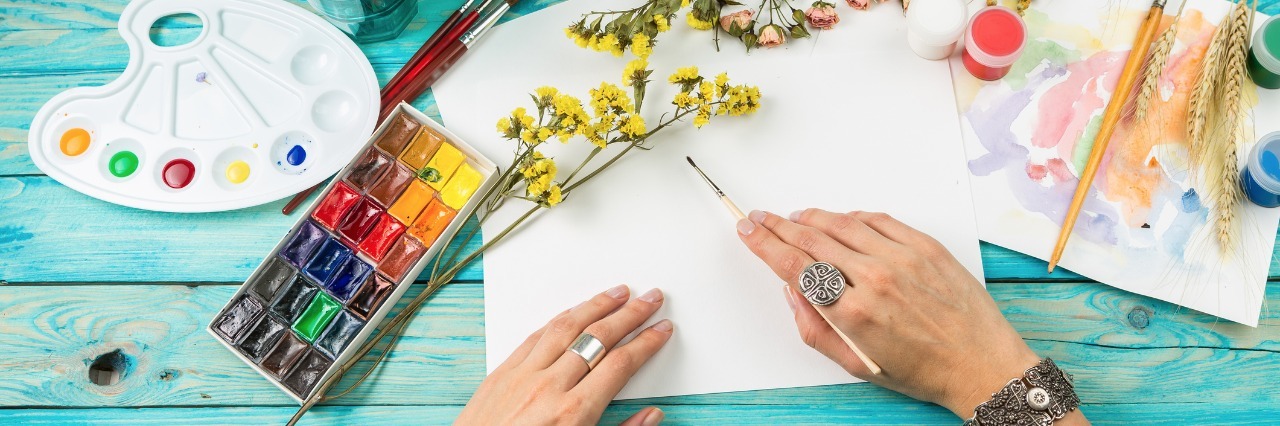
(910,306)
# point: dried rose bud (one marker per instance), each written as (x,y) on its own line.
(741,17)
(822,15)
(859,4)
(771,35)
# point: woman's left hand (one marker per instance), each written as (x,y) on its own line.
(543,383)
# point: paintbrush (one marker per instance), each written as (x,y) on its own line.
(733,208)
(1119,97)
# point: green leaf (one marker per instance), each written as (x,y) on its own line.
(798,15)
(735,29)
(750,40)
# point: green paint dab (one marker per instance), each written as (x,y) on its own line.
(123,164)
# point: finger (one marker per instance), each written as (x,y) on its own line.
(571,367)
(818,334)
(846,229)
(608,378)
(785,261)
(518,356)
(561,331)
(813,242)
(647,417)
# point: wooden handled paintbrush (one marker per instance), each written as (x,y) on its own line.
(733,208)
(1111,118)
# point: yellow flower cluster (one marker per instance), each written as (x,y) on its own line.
(619,31)
(661,22)
(696,23)
(640,46)
(539,173)
(705,98)
(635,71)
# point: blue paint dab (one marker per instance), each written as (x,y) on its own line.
(1190,201)
(296,155)
(1270,164)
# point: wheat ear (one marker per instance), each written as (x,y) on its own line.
(1022,6)
(1232,85)
(1154,65)
(1201,99)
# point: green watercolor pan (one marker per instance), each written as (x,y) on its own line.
(327,285)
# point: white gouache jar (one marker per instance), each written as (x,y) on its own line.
(934,27)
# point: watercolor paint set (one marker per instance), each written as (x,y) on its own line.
(264,102)
(346,262)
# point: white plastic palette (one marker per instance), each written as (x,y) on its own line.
(268,100)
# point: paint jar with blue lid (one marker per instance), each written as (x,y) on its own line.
(1261,176)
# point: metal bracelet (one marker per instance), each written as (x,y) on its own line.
(1042,395)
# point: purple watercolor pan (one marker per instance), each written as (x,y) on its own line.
(273,323)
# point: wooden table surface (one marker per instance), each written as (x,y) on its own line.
(81,278)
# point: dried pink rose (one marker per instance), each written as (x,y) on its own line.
(742,17)
(771,36)
(859,4)
(822,15)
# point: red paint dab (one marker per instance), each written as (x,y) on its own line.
(179,173)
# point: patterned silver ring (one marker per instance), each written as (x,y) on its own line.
(821,283)
(589,348)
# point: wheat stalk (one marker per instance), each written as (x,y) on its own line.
(1154,66)
(1201,100)
(1022,6)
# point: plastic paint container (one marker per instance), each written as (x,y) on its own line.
(1264,56)
(365,20)
(934,27)
(1261,176)
(993,42)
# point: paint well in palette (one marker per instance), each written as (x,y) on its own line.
(423,147)
(178,173)
(335,205)
(283,355)
(303,243)
(359,221)
(398,134)
(464,183)
(371,295)
(74,141)
(445,162)
(331,255)
(307,373)
(348,279)
(295,297)
(368,169)
(237,172)
(274,276)
(234,322)
(341,331)
(263,337)
(412,201)
(380,238)
(432,222)
(122,164)
(317,316)
(391,185)
(404,254)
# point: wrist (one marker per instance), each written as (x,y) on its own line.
(976,387)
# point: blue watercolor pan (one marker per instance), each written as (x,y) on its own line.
(347,280)
(326,260)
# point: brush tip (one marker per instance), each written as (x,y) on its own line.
(690,159)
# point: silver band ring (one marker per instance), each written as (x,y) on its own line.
(589,348)
(822,283)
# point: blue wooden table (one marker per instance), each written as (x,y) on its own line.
(83,281)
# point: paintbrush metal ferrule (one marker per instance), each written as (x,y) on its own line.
(486,24)
(728,204)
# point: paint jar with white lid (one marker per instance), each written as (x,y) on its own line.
(1261,176)
(934,27)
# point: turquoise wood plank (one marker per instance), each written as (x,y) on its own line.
(50,233)
(52,333)
(796,413)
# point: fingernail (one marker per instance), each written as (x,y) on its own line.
(791,301)
(618,292)
(795,215)
(756,216)
(664,326)
(652,296)
(746,227)
(654,418)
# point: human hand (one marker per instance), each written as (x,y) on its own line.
(543,383)
(910,306)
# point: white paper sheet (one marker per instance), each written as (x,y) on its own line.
(853,121)
(1142,229)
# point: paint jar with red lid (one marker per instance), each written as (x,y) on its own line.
(993,42)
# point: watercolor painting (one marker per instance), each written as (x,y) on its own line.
(1143,226)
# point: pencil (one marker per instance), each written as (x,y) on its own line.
(733,209)
(1132,68)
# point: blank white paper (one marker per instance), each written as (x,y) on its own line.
(852,120)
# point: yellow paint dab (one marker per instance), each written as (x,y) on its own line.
(238,172)
(74,142)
